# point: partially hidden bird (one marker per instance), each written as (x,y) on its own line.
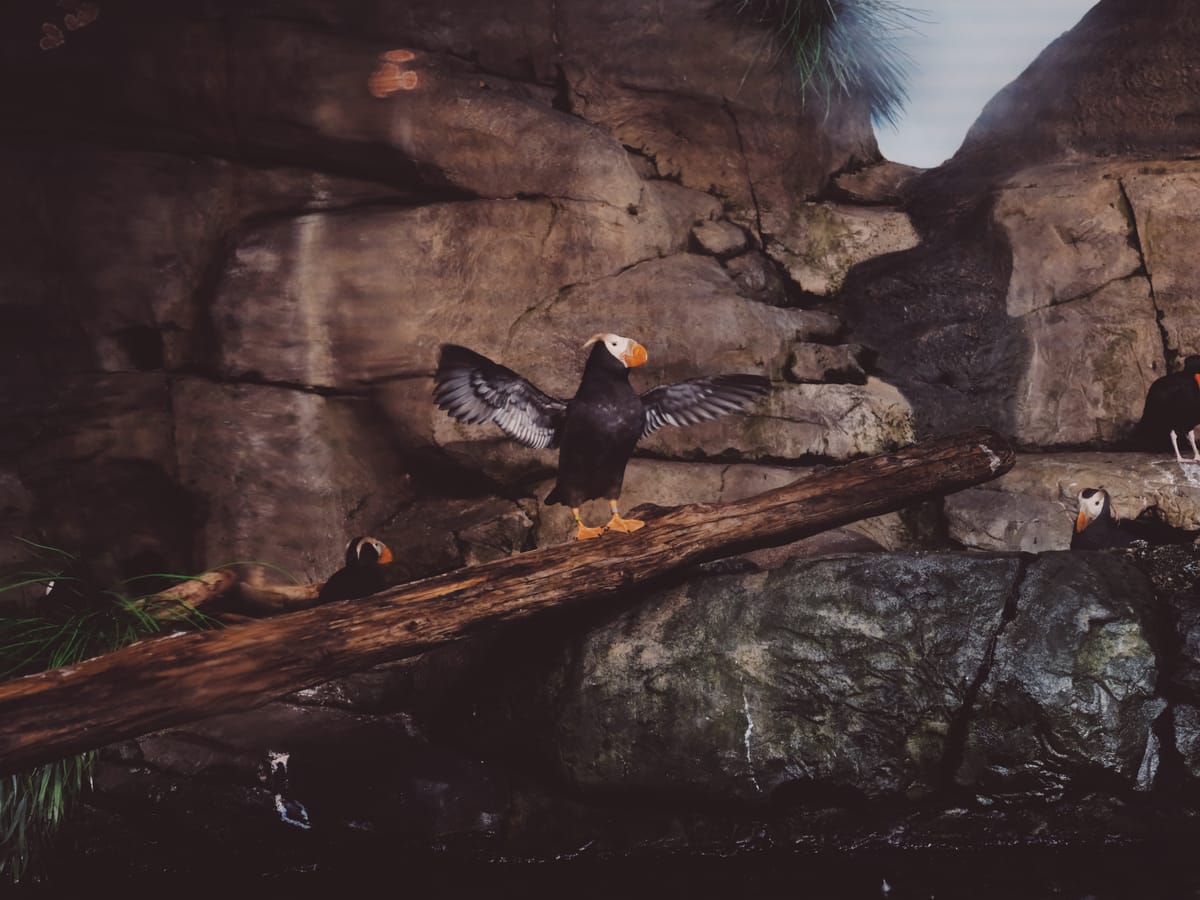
(362,575)
(1172,410)
(597,430)
(1097,527)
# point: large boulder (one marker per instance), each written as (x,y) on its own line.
(823,241)
(1071,693)
(1119,82)
(1032,507)
(878,675)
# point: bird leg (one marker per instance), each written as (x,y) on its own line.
(1195,451)
(616,523)
(585,532)
(1175,444)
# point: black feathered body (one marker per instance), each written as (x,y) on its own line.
(597,430)
(363,573)
(1151,526)
(352,582)
(1102,533)
(1172,404)
(602,426)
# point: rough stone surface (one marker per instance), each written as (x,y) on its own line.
(827,363)
(1165,198)
(1187,736)
(1090,363)
(837,672)
(1033,506)
(757,278)
(882,183)
(1072,685)
(291,476)
(1069,229)
(1119,82)
(719,238)
(798,422)
(855,673)
(684,309)
(823,241)
(393,284)
(710,120)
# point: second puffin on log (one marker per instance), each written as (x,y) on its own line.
(597,430)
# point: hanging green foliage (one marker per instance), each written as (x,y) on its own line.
(843,47)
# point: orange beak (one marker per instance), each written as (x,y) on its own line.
(385,557)
(1081,522)
(634,356)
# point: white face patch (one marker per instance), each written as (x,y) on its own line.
(622,348)
(1091,507)
(616,345)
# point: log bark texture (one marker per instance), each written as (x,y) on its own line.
(165,681)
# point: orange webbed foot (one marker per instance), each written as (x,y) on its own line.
(588,532)
(626,526)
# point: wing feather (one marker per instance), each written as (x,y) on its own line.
(475,390)
(700,399)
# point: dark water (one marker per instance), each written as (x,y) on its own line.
(1024,874)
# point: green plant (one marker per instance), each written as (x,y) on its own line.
(69,615)
(847,47)
(32,807)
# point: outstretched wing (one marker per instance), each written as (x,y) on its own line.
(473,389)
(699,399)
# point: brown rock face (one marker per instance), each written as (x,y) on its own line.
(1120,82)
(239,282)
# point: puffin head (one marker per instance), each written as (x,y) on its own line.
(1093,502)
(626,350)
(367,551)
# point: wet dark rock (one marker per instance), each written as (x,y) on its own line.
(1071,693)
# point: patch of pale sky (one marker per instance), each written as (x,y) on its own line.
(964,52)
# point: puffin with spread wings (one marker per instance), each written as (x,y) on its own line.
(595,431)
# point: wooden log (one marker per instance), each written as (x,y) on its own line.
(257,597)
(199,594)
(165,681)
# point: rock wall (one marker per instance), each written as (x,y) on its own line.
(237,239)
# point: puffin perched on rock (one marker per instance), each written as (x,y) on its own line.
(1172,409)
(1097,528)
(597,430)
(363,573)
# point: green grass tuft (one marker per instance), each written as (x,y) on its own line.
(847,47)
(65,616)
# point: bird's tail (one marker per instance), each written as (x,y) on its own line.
(1145,436)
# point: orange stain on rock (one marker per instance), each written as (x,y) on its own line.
(389,77)
(384,80)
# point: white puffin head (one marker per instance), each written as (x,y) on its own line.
(1091,506)
(627,350)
